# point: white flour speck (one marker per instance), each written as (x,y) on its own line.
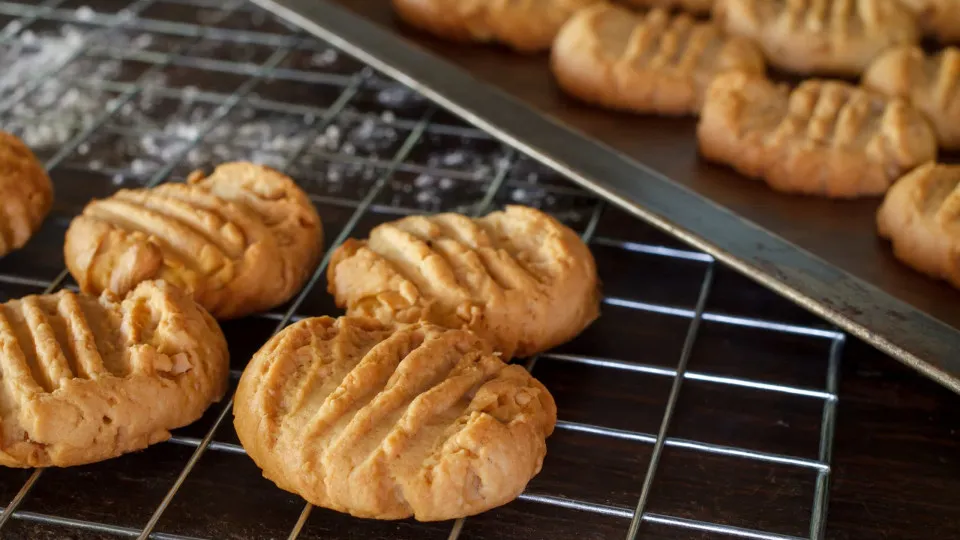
(397,95)
(425,197)
(325,58)
(85,13)
(424,180)
(453,159)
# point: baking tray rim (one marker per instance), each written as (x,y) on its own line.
(622,179)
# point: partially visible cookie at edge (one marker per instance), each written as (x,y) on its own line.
(524,25)
(825,138)
(241,240)
(921,217)
(931,83)
(518,278)
(87,378)
(392,422)
(26,193)
(939,19)
(828,37)
(650,63)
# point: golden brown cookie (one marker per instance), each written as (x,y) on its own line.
(939,19)
(832,37)
(26,193)
(241,240)
(931,83)
(921,217)
(524,25)
(696,7)
(656,63)
(86,379)
(389,423)
(824,138)
(519,278)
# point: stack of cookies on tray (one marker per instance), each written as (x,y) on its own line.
(407,406)
(825,137)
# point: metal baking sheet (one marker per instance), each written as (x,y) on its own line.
(822,254)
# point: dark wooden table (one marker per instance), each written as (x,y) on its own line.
(897,453)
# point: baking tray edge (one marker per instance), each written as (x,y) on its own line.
(893,326)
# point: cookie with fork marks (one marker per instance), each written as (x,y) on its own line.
(921,217)
(930,82)
(651,63)
(87,378)
(241,240)
(26,193)
(825,138)
(518,278)
(524,25)
(829,37)
(389,422)
(939,19)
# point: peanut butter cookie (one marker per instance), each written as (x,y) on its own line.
(86,379)
(931,83)
(652,63)
(524,25)
(830,37)
(388,423)
(939,19)
(241,240)
(921,217)
(26,193)
(824,138)
(518,278)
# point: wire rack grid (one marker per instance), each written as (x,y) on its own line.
(698,406)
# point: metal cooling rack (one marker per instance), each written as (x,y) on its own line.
(697,406)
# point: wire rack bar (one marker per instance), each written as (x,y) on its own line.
(571,504)
(676,442)
(301,522)
(726,319)
(671,403)
(650,369)
(818,521)
(95,527)
(651,249)
(737,532)
(17,500)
